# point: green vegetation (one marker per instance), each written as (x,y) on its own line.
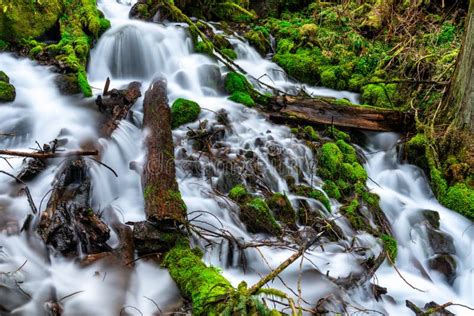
(79,23)
(239,88)
(238,193)
(7,90)
(390,246)
(242,98)
(184,111)
(282,208)
(259,218)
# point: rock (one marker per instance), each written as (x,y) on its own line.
(432,217)
(149,238)
(445,264)
(67,84)
(283,210)
(440,242)
(210,76)
(7,90)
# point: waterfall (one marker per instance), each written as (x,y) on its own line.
(134,50)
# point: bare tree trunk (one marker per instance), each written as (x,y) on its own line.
(458,106)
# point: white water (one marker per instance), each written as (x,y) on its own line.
(133,50)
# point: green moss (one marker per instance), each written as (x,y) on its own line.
(242,98)
(7,90)
(238,193)
(351,212)
(235,82)
(259,219)
(312,193)
(337,134)
(204,47)
(258,39)
(348,151)
(390,246)
(24,18)
(332,190)
(447,33)
(460,198)
(311,133)
(353,172)
(230,53)
(330,161)
(184,111)
(203,285)
(380,95)
(282,208)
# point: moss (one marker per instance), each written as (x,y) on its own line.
(330,161)
(354,172)
(282,208)
(337,134)
(24,18)
(332,190)
(242,98)
(235,82)
(348,151)
(7,90)
(259,219)
(230,53)
(204,47)
(203,285)
(184,111)
(238,193)
(307,191)
(460,198)
(351,212)
(390,246)
(380,95)
(311,133)
(259,40)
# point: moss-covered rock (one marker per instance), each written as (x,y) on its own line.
(7,90)
(239,193)
(259,40)
(184,111)
(460,197)
(316,194)
(258,217)
(28,19)
(390,246)
(282,208)
(242,98)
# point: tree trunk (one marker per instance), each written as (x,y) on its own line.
(163,201)
(458,106)
(326,111)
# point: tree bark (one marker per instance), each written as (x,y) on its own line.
(69,224)
(458,105)
(115,105)
(162,198)
(325,111)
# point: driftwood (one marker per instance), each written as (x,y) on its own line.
(115,105)
(69,224)
(163,201)
(325,111)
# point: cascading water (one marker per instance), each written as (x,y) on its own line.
(133,50)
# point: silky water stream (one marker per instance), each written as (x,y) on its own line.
(134,50)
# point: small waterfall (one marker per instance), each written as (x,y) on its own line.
(248,145)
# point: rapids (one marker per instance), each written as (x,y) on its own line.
(134,50)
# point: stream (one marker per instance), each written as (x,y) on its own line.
(135,50)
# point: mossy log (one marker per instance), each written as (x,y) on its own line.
(115,105)
(326,111)
(69,224)
(162,198)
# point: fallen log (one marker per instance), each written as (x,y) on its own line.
(115,105)
(69,224)
(326,111)
(163,201)
(46,155)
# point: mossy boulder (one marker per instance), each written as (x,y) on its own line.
(238,193)
(184,111)
(282,208)
(258,217)
(239,88)
(28,19)
(7,90)
(259,40)
(242,98)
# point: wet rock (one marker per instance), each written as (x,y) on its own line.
(192,166)
(445,264)
(222,117)
(440,242)
(227,180)
(430,308)
(7,90)
(378,291)
(149,238)
(67,84)
(432,217)
(210,76)
(283,210)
